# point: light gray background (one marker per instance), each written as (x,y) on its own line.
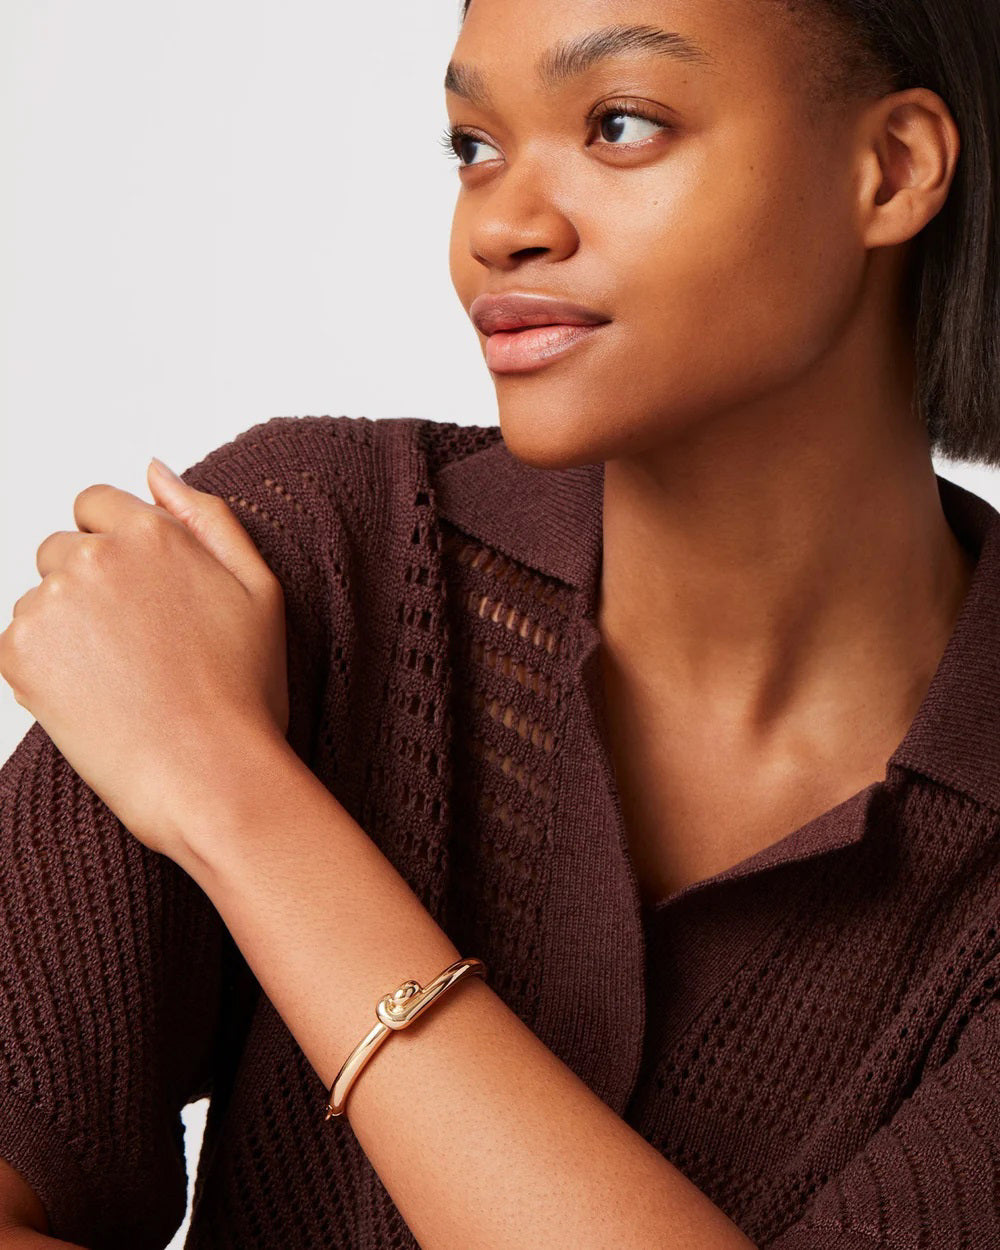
(214,212)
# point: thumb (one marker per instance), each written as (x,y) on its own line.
(211,521)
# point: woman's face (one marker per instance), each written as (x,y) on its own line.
(718,234)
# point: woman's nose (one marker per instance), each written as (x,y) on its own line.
(517,219)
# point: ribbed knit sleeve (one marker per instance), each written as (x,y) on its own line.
(929,1179)
(113,962)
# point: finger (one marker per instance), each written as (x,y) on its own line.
(101,507)
(216,526)
(54,551)
(24,601)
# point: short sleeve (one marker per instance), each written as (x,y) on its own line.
(109,985)
(114,964)
(929,1179)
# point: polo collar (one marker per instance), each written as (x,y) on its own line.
(552,521)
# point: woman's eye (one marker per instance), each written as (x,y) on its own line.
(457,143)
(616,122)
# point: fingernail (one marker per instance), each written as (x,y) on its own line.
(164,470)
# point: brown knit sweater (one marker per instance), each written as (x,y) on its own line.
(812,1036)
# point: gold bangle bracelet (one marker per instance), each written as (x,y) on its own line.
(396,1010)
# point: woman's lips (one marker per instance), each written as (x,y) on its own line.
(519,351)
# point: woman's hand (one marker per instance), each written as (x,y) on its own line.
(152,651)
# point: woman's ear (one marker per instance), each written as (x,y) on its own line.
(913,151)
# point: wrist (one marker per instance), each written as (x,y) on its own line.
(250,771)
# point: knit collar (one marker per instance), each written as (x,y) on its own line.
(552,521)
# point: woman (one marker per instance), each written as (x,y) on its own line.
(673,701)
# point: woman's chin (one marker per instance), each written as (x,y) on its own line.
(550,435)
(545,442)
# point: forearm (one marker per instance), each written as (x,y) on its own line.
(481,1135)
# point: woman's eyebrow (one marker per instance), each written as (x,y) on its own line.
(571,57)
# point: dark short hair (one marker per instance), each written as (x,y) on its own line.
(952,288)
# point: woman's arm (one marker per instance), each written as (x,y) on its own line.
(153,653)
(481,1135)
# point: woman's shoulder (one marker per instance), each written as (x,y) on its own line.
(295,479)
(355,450)
(341,509)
